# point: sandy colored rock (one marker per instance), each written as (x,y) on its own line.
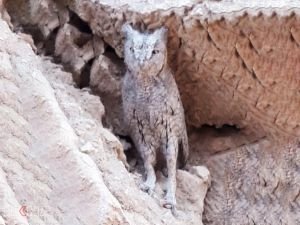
(40,151)
(58,164)
(255,183)
(228,71)
(105,80)
(236,64)
(75,49)
(47,15)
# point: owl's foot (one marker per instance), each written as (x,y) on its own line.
(170,203)
(147,187)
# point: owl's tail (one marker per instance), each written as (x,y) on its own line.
(183,150)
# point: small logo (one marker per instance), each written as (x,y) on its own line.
(23,210)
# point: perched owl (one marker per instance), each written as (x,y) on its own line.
(152,106)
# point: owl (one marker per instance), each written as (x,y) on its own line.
(153,111)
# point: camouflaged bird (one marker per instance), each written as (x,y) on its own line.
(152,107)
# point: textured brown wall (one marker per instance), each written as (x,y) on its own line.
(243,72)
(239,68)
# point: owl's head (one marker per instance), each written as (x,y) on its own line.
(145,53)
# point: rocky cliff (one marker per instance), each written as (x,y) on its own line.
(237,65)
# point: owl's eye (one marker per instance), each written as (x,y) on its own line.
(154,52)
(131,49)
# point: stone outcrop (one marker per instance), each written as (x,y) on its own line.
(45,179)
(58,165)
(232,68)
(230,59)
(237,67)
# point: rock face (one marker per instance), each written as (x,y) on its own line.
(231,69)
(45,179)
(237,67)
(230,59)
(58,164)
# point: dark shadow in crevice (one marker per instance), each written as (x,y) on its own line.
(85,74)
(82,40)
(133,158)
(218,131)
(80,24)
(209,140)
(224,130)
(45,46)
(32,30)
(110,53)
(49,44)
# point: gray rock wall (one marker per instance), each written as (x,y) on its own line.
(236,64)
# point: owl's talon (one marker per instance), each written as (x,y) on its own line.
(147,188)
(170,205)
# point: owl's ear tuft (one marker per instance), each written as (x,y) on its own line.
(127,30)
(162,34)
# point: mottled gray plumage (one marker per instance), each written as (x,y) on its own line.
(152,106)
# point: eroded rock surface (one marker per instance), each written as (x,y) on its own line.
(236,64)
(42,168)
(261,185)
(58,165)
